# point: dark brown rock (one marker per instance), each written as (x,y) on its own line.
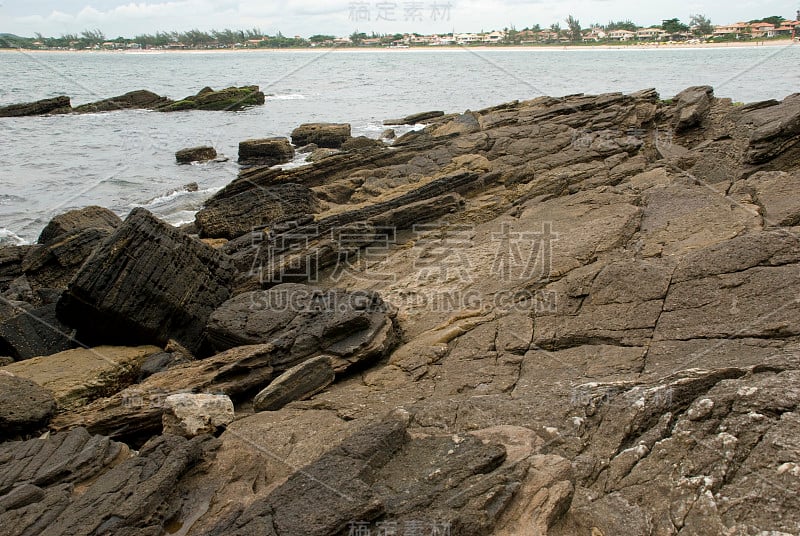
(147,282)
(298,383)
(329,135)
(33,333)
(195,154)
(229,99)
(234,216)
(140,99)
(42,107)
(265,152)
(24,405)
(77,220)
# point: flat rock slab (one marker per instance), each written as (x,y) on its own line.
(76,377)
(298,383)
(24,405)
(147,283)
(306,321)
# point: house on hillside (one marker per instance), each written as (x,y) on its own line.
(650,34)
(760,30)
(736,30)
(594,35)
(621,35)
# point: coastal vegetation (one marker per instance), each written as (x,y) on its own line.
(698,28)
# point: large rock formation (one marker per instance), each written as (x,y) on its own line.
(140,99)
(229,100)
(146,283)
(587,325)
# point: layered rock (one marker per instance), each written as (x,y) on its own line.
(133,100)
(265,152)
(55,105)
(228,99)
(195,154)
(329,135)
(92,217)
(146,283)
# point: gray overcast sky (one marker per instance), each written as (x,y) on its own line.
(306,17)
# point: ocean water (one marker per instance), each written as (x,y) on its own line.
(125,159)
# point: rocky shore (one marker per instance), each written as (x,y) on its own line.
(562,316)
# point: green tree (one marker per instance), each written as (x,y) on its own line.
(357,37)
(574,29)
(673,26)
(319,38)
(775,20)
(701,25)
(620,25)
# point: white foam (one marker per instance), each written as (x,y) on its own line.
(10,237)
(288,96)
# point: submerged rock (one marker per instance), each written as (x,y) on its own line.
(195,154)
(229,99)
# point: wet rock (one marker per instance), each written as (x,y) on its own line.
(92,217)
(140,99)
(33,333)
(46,106)
(692,105)
(190,415)
(235,216)
(361,142)
(195,154)
(229,99)
(304,321)
(265,152)
(24,405)
(175,282)
(328,135)
(413,119)
(298,383)
(76,377)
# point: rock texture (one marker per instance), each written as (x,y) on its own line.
(265,152)
(329,135)
(24,405)
(46,106)
(92,217)
(146,283)
(558,316)
(140,99)
(229,100)
(195,154)
(191,415)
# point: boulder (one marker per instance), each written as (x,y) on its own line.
(146,283)
(140,99)
(24,405)
(135,413)
(304,321)
(777,130)
(45,106)
(298,383)
(195,154)
(229,99)
(92,217)
(692,105)
(413,119)
(388,134)
(265,152)
(121,492)
(33,333)
(235,216)
(190,415)
(328,135)
(361,142)
(76,377)
(53,265)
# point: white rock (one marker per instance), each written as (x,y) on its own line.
(190,415)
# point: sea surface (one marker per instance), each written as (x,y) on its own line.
(125,159)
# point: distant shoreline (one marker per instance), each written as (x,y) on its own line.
(512,48)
